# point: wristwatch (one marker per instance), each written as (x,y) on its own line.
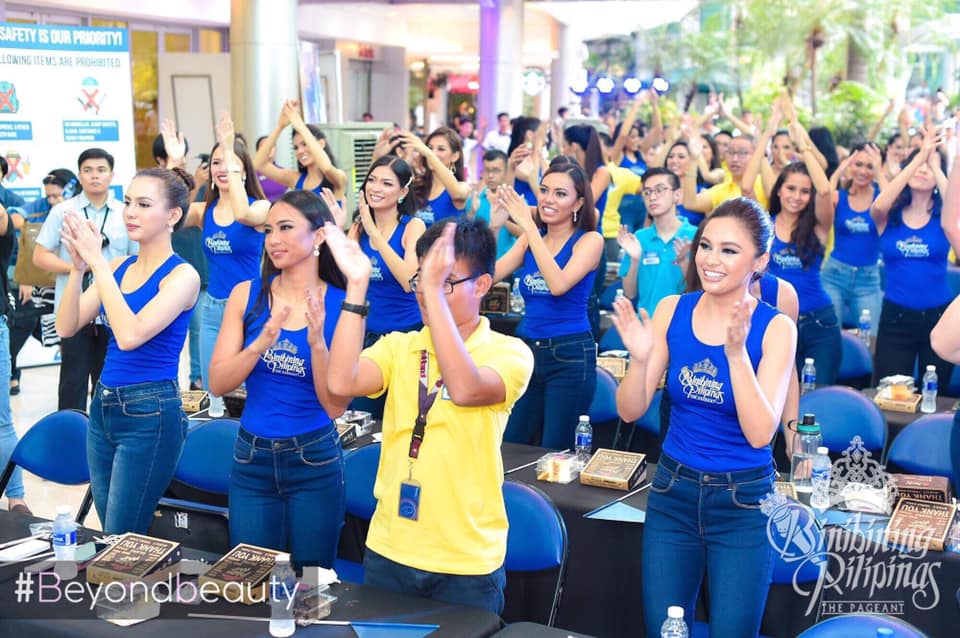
(360,309)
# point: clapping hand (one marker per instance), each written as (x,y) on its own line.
(271,330)
(316,313)
(82,239)
(517,207)
(339,215)
(353,262)
(681,246)
(635,332)
(438,263)
(737,331)
(630,244)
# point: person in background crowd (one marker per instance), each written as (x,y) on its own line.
(441,190)
(137,425)
(737,155)
(558,253)
(169,136)
(286,485)
(727,359)
(366,117)
(499,138)
(82,353)
(439,481)
(525,163)
(894,154)
(913,225)
(271,190)
(484,204)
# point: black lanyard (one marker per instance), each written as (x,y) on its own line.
(106,211)
(425,402)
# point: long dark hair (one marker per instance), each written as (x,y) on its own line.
(586,137)
(700,180)
(587,215)
(251,184)
(715,160)
(315,210)
(822,138)
(318,135)
(804,235)
(404,175)
(518,134)
(905,198)
(751,216)
(423,184)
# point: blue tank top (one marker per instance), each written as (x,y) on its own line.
(916,261)
(704,429)
(391,308)
(158,359)
(316,190)
(769,289)
(601,204)
(523,190)
(638,167)
(233,253)
(786,264)
(438,208)
(281,399)
(692,216)
(549,316)
(856,242)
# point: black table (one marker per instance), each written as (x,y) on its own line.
(355,602)
(533,630)
(897,421)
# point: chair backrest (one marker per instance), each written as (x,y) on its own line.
(844,413)
(609,294)
(650,421)
(603,407)
(799,547)
(360,473)
(207,456)
(55,448)
(852,625)
(923,447)
(537,538)
(610,340)
(857,361)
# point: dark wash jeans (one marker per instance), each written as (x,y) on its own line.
(903,342)
(707,522)
(818,336)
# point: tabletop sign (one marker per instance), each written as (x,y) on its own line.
(920,524)
(243,573)
(497,300)
(135,557)
(615,469)
(897,399)
(923,488)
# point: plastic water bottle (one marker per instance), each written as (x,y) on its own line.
(928,404)
(584,440)
(517,305)
(808,376)
(217,408)
(674,626)
(64,534)
(804,450)
(820,498)
(620,294)
(283,583)
(865,326)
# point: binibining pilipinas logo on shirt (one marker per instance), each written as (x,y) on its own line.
(787,259)
(858,225)
(376,274)
(218,244)
(700,384)
(282,358)
(425,214)
(913,247)
(536,284)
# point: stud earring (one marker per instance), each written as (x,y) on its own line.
(316,250)
(400,201)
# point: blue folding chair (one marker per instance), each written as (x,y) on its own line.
(609,294)
(55,449)
(866,625)
(844,413)
(537,539)
(207,456)
(857,362)
(610,340)
(603,406)
(360,474)
(650,421)
(923,447)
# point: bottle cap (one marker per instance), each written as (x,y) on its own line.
(674,611)
(808,361)
(931,368)
(808,425)
(584,417)
(63,509)
(282,558)
(823,450)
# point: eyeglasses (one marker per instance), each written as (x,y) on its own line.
(448,285)
(732,153)
(658,191)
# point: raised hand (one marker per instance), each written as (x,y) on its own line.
(437,264)
(339,215)
(873,153)
(353,262)
(681,246)
(225,133)
(737,331)
(173,142)
(283,120)
(518,208)
(292,110)
(630,244)
(83,241)
(366,216)
(315,313)
(635,332)
(271,330)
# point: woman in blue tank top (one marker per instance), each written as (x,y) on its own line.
(137,425)
(439,190)
(801,228)
(558,251)
(525,164)
(232,239)
(915,248)
(316,166)
(728,359)
(851,276)
(286,485)
(387,232)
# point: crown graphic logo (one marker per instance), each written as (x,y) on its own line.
(219,235)
(286,345)
(706,367)
(857,476)
(374,261)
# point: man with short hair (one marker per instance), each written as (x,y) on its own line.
(738,154)
(440,527)
(499,138)
(82,355)
(656,258)
(483,204)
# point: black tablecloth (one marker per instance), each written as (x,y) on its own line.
(531,630)
(355,602)
(897,421)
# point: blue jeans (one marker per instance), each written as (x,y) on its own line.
(704,521)
(211,316)
(196,368)
(818,336)
(560,390)
(483,591)
(134,442)
(8,434)
(851,289)
(289,494)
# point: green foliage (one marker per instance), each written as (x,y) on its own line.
(850,111)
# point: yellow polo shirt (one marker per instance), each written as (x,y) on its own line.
(728,189)
(623,181)
(462,526)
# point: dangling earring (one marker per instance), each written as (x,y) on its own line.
(575,216)
(316,250)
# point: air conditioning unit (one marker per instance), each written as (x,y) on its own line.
(352,145)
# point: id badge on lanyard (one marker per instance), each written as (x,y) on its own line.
(409,505)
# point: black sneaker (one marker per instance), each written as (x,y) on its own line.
(14,387)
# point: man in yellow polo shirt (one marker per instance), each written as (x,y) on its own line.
(440,527)
(737,156)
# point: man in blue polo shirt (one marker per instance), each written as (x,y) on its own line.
(656,257)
